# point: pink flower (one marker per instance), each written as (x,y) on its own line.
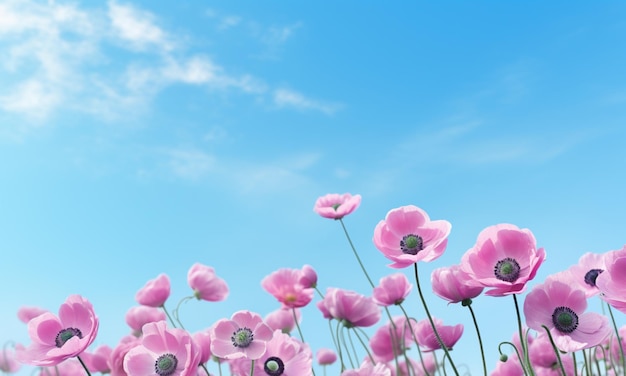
(336,206)
(369,369)
(285,355)
(244,335)
(407,235)
(25,314)
(543,359)
(8,363)
(561,308)
(391,341)
(282,319)
(326,356)
(510,367)
(426,338)
(504,259)
(392,289)
(452,284)
(163,351)
(116,359)
(585,273)
(349,306)
(417,368)
(284,285)
(308,277)
(155,292)
(138,316)
(70,367)
(55,339)
(612,282)
(97,361)
(206,285)
(203,340)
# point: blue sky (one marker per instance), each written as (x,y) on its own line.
(137,138)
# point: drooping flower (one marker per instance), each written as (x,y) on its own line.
(336,206)
(561,308)
(612,282)
(138,316)
(244,335)
(350,307)
(163,352)
(451,283)
(282,319)
(55,339)
(155,292)
(8,363)
(392,289)
(284,285)
(503,259)
(426,338)
(326,356)
(206,285)
(407,236)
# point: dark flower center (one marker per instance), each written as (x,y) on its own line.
(591,276)
(564,319)
(242,337)
(165,365)
(274,366)
(65,335)
(507,270)
(411,244)
(336,206)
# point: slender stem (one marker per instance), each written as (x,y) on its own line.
(619,340)
(525,360)
(252,368)
(205,369)
(419,351)
(175,312)
(510,344)
(575,365)
(432,323)
(295,320)
(365,346)
(556,350)
(355,252)
(168,316)
(84,365)
(480,341)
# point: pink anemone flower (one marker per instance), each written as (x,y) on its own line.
(407,236)
(116,359)
(504,259)
(451,283)
(426,338)
(163,352)
(8,363)
(561,308)
(244,335)
(336,206)
(326,356)
(350,307)
(283,319)
(612,282)
(138,316)
(367,368)
(285,355)
(27,313)
(586,272)
(155,292)
(98,360)
(55,339)
(392,289)
(391,340)
(206,285)
(284,285)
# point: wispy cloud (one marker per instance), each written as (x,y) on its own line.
(294,99)
(137,27)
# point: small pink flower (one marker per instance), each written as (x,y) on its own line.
(284,285)
(612,282)
(97,361)
(585,273)
(138,316)
(561,308)
(326,356)
(8,363)
(349,306)
(282,319)
(163,351)
(206,285)
(155,292)
(392,289)
(369,369)
(285,355)
(203,340)
(390,341)
(116,359)
(27,313)
(336,206)
(308,277)
(543,359)
(451,284)
(426,338)
(244,335)
(55,339)
(504,259)
(407,236)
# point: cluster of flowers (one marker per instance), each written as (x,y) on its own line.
(503,260)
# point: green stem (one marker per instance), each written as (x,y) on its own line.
(168,316)
(480,341)
(84,365)
(295,320)
(432,323)
(252,368)
(524,361)
(365,346)
(355,252)
(205,369)
(556,350)
(619,340)
(575,365)
(175,312)
(419,351)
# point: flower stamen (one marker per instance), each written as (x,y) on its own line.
(165,365)
(507,270)
(243,337)
(65,335)
(565,319)
(274,366)
(411,244)
(591,276)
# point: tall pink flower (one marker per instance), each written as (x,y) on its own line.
(561,308)
(336,206)
(138,316)
(349,306)
(55,339)
(244,335)
(206,285)
(284,285)
(407,236)
(504,259)
(392,289)
(612,282)
(451,283)
(390,341)
(282,319)
(155,292)
(585,273)
(163,351)
(426,338)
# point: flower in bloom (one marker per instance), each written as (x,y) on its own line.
(326,356)
(585,273)
(336,206)
(407,235)
(284,285)
(138,316)
(206,285)
(504,259)
(426,338)
(55,339)
(612,282)
(163,352)
(8,363)
(285,355)
(203,340)
(116,359)
(350,307)
(26,313)
(561,308)
(392,289)
(510,367)
(369,369)
(155,292)
(282,319)
(390,341)
(451,283)
(544,360)
(244,335)
(97,361)
(308,277)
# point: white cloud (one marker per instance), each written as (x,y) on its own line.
(31,98)
(137,27)
(290,98)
